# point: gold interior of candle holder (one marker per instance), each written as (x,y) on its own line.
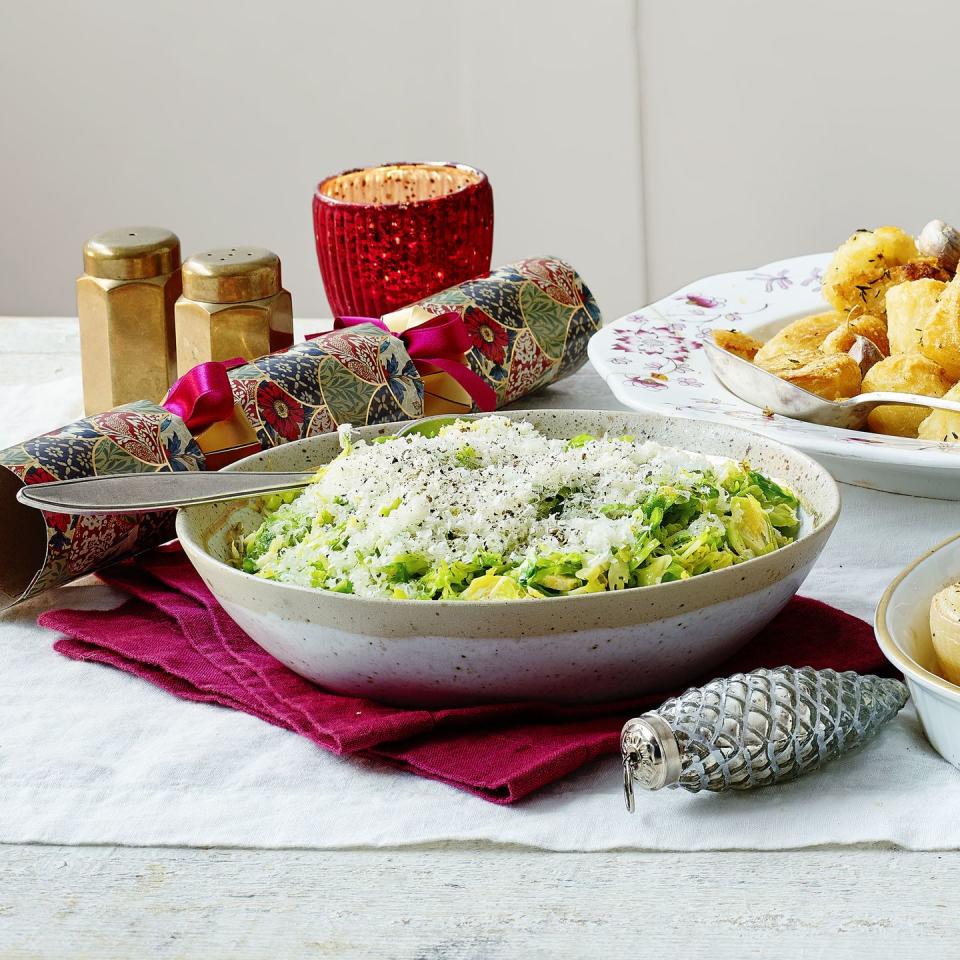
(399,183)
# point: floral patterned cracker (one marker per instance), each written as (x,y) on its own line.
(529,324)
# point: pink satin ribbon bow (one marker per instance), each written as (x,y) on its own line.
(203,396)
(440,343)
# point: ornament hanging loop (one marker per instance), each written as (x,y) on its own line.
(628,768)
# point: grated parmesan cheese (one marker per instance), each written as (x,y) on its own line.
(526,514)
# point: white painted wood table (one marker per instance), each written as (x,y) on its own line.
(455,900)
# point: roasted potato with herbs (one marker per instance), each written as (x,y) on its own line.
(798,339)
(909,306)
(739,344)
(859,273)
(942,426)
(904,373)
(795,355)
(940,335)
(923,268)
(834,377)
(864,325)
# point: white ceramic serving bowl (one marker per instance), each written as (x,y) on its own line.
(903,632)
(571,649)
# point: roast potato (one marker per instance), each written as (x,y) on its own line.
(940,425)
(940,336)
(859,273)
(799,339)
(904,373)
(909,306)
(864,325)
(737,343)
(833,377)
(923,268)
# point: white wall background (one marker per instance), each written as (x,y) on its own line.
(772,129)
(648,142)
(217,118)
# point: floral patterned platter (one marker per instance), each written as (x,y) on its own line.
(654,360)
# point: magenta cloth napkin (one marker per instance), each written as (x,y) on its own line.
(173,634)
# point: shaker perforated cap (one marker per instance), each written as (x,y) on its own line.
(231,275)
(131,253)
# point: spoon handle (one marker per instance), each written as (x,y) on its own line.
(909,400)
(145,492)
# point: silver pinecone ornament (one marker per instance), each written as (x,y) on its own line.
(754,729)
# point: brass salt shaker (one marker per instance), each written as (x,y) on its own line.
(125,301)
(233,305)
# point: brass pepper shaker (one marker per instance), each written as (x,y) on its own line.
(233,305)
(125,301)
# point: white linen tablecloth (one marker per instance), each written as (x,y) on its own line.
(91,755)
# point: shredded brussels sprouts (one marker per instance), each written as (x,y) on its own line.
(490,509)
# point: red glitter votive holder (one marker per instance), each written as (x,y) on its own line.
(390,235)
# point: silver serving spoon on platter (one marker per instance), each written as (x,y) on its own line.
(146,492)
(774,395)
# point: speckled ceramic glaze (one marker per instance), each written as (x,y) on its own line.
(582,648)
(903,632)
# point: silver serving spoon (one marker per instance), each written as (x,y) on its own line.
(767,391)
(146,492)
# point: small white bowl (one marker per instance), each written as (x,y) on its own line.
(903,631)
